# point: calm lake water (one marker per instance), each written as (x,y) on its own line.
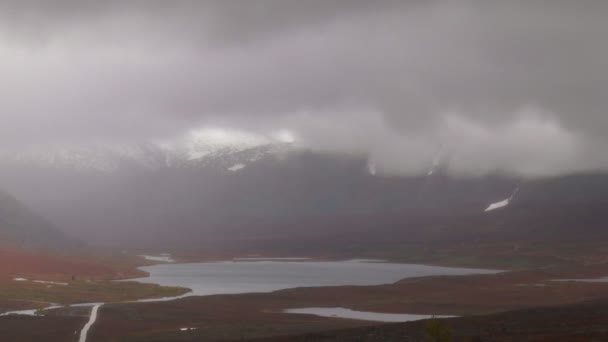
(232,277)
(361,315)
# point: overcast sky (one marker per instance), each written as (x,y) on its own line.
(520,86)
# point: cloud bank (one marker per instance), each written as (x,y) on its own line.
(511,86)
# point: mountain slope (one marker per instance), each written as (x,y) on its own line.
(239,192)
(21,228)
(243,191)
(195,149)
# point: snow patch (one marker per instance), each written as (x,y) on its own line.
(187,329)
(236,167)
(497,205)
(371,168)
(194,155)
(504,202)
(19,279)
(200,143)
(191,148)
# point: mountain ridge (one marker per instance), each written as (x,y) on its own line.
(252,191)
(22,228)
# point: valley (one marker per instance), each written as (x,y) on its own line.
(261,315)
(303,170)
(251,243)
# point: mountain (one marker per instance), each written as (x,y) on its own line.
(209,147)
(22,228)
(218,189)
(230,193)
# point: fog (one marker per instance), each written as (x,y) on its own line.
(515,86)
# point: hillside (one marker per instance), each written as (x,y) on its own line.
(22,228)
(272,197)
(242,194)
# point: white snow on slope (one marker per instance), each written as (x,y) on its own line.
(200,143)
(504,202)
(371,167)
(497,205)
(192,147)
(96,156)
(236,167)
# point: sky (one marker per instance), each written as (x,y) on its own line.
(513,86)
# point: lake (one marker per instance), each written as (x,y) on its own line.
(361,315)
(231,277)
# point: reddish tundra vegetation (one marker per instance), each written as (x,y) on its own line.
(248,316)
(13,262)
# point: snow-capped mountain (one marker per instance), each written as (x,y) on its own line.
(231,150)
(100,157)
(195,188)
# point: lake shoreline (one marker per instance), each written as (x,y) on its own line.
(240,277)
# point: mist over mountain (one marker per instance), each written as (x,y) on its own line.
(203,186)
(23,228)
(211,169)
(125,122)
(212,190)
(513,87)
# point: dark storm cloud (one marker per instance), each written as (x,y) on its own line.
(513,85)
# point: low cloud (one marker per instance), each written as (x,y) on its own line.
(532,143)
(514,86)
